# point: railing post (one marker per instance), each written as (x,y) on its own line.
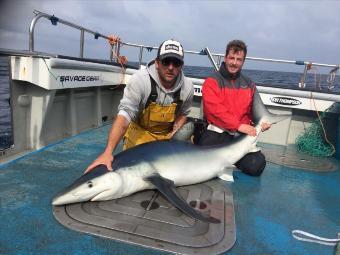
(111,52)
(116,53)
(81,53)
(31,31)
(302,83)
(219,60)
(140,55)
(211,59)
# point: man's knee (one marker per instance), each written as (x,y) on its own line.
(252,164)
(209,138)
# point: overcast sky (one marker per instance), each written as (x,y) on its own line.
(292,30)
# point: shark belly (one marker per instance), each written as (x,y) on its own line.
(189,168)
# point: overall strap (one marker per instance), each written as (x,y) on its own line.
(153,95)
(177,99)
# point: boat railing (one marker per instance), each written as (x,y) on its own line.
(215,58)
(54,20)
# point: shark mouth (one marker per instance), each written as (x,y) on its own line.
(103,195)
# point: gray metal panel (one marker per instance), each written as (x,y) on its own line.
(164,227)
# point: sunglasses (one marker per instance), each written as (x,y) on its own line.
(175,62)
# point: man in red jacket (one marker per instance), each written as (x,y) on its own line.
(227,104)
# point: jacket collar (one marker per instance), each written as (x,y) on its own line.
(225,73)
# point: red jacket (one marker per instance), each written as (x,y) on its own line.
(227,101)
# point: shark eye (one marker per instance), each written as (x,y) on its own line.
(90,184)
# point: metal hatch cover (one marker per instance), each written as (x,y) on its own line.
(146,218)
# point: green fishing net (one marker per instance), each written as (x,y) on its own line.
(313,142)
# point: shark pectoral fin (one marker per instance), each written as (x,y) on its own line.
(227,174)
(168,189)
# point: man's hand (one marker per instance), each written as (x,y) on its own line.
(247,129)
(265,126)
(104,159)
(179,122)
(117,132)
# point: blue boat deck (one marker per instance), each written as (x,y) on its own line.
(267,208)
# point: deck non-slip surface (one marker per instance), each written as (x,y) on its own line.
(267,209)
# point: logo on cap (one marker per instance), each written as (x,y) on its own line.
(171,48)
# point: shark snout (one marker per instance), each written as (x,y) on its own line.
(76,197)
(58,201)
(67,198)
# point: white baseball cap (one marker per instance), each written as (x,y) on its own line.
(170,48)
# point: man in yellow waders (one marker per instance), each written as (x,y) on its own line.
(155,103)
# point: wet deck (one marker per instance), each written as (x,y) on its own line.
(267,209)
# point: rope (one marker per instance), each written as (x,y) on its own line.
(122,60)
(331,77)
(323,128)
(317,82)
(308,237)
(49,70)
(313,139)
(55,77)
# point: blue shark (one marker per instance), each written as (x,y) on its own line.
(164,165)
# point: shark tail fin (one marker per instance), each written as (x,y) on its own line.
(261,113)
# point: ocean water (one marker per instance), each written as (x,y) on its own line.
(314,82)
(6,139)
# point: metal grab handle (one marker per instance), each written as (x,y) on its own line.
(54,21)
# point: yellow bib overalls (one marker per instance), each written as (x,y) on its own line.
(155,122)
